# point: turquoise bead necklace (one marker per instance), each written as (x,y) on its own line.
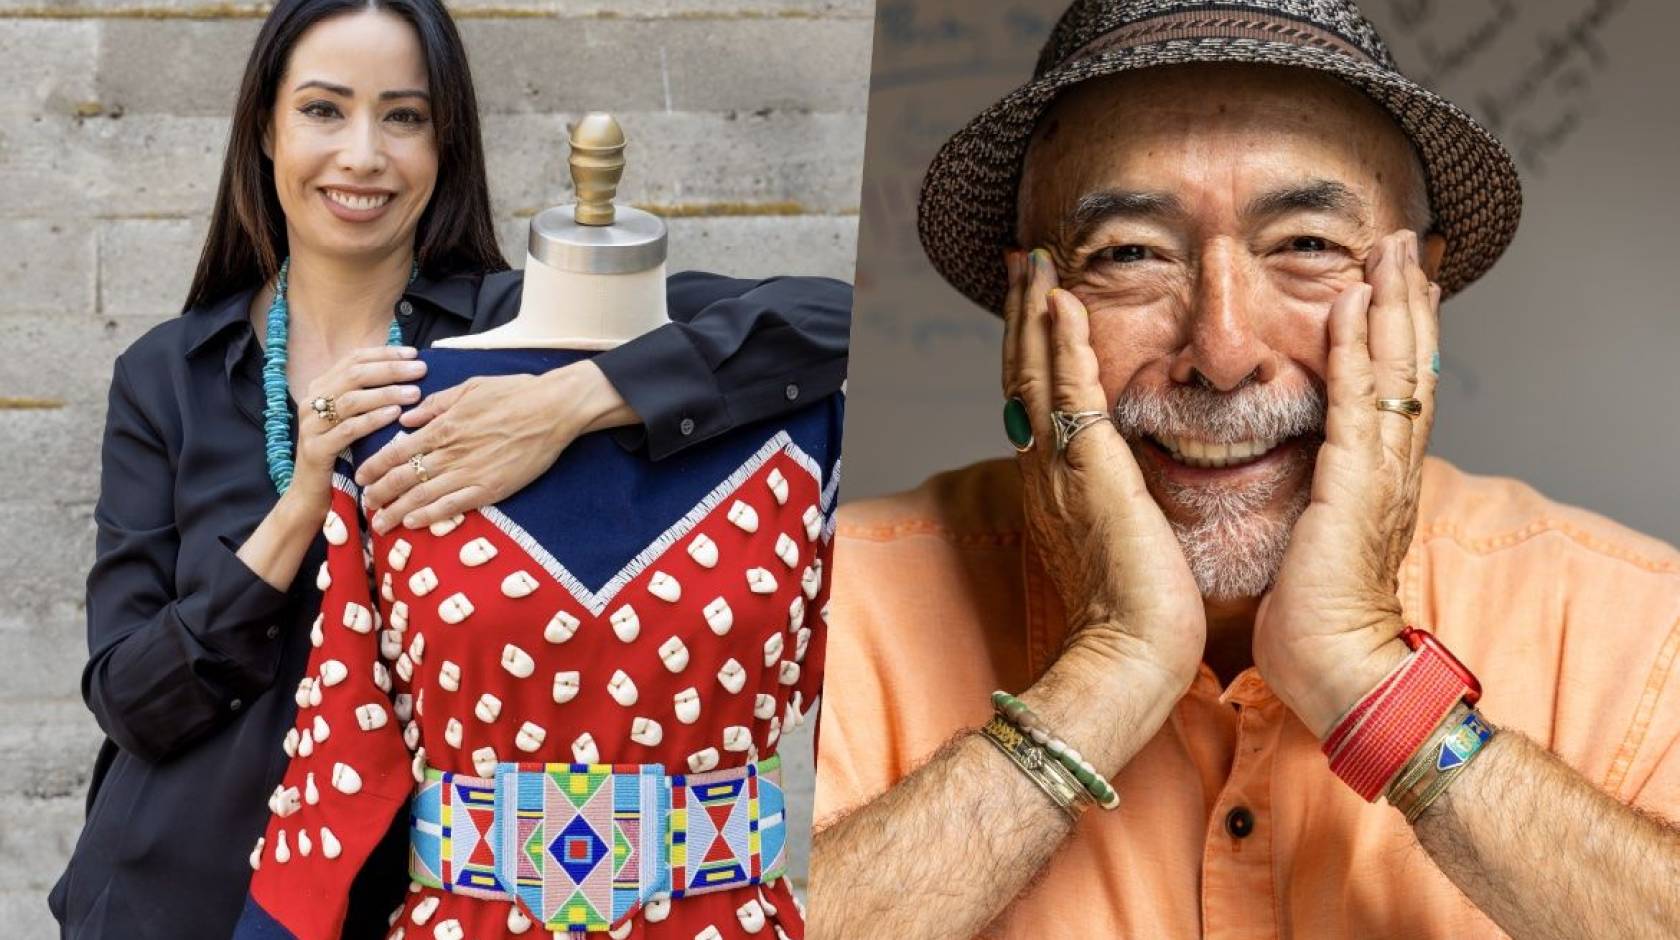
(277,429)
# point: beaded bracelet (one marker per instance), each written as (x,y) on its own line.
(1017,712)
(1451,747)
(1039,767)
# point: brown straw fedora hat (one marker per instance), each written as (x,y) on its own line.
(966,214)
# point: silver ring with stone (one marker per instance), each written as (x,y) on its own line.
(1068,424)
(419,468)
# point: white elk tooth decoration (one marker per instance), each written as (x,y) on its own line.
(778,486)
(703,550)
(561,627)
(719,617)
(477,552)
(664,587)
(743,516)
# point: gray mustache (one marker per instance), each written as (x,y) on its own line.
(1248,413)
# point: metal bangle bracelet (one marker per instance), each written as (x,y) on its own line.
(1038,766)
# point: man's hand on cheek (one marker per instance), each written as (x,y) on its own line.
(1134,613)
(1327,632)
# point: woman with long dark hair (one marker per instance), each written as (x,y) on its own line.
(352,228)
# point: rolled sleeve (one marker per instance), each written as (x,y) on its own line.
(735,352)
(165,669)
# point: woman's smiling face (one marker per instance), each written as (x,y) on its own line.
(351,136)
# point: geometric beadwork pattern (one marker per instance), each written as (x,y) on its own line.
(582,850)
(580,846)
(714,831)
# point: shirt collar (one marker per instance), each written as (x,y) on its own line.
(453,295)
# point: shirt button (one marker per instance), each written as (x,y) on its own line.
(686,427)
(792,392)
(273,631)
(236,704)
(405,308)
(1239,822)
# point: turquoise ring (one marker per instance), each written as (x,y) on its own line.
(1017,425)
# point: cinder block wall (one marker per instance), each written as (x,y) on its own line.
(746,122)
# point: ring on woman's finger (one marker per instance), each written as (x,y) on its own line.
(1017,425)
(325,408)
(1069,423)
(419,467)
(1410,407)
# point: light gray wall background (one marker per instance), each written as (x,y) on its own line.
(1558,367)
(746,125)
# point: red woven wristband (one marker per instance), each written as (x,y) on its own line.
(1386,727)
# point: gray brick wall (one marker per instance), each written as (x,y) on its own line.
(746,119)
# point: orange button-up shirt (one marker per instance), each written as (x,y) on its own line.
(1571,621)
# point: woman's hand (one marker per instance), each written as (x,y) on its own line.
(368,388)
(1131,601)
(483,440)
(1327,631)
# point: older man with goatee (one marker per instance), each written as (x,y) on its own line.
(1221,653)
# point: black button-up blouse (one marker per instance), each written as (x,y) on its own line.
(194,658)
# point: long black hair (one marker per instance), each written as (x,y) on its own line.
(247,237)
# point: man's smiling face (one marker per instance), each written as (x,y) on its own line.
(1207,216)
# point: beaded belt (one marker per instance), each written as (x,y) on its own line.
(580,846)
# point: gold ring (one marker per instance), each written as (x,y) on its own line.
(1410,407)
(419,468)
(324,407)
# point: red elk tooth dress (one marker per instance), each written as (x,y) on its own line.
(615,611)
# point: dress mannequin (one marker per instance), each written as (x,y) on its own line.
(573,696)
(594,272)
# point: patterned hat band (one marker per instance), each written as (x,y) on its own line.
(1227,24)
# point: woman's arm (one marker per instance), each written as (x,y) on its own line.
(730,356)
(165,670)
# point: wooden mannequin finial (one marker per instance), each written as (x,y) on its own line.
(597,163)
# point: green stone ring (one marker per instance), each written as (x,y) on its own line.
(1017,425)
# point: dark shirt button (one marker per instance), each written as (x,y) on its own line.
(405,308)
(237,704)
(273,631)
(792,392)
(1239,822)
(686,427)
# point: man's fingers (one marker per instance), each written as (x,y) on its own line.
(1351,386)
(1032,363)
(1075,386)
(1393,339)
(1014,261)
(1427,321)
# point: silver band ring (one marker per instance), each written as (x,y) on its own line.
(1410,407)
(324,407)
(419,468)
(1068,424)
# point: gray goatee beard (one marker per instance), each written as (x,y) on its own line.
(1234,547)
